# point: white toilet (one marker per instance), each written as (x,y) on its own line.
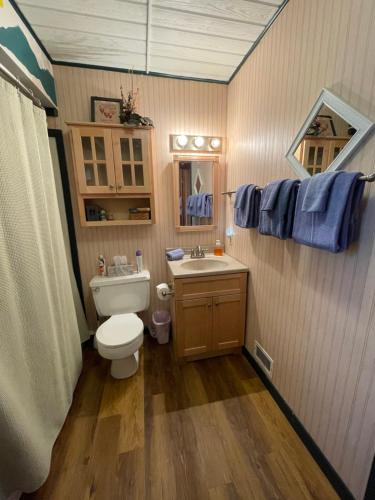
(120,336)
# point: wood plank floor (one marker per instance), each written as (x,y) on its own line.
(205,430)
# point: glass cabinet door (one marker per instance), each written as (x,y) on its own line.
(131,157)
(94,160)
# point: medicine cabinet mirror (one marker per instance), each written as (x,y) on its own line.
(330,134)
(195,186)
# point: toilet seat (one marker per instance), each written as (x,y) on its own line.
(120,330)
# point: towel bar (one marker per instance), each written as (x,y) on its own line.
(367,178)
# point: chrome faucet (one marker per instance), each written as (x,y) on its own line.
(197,252)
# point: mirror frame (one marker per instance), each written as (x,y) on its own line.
(362,124)
(215,192)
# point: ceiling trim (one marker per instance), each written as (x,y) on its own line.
(258,40)
(148,40)
(138,72)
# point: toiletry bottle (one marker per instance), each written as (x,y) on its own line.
(101,266)
(139,259)
(218,249)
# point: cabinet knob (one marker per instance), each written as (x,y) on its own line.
(209,305)
(119,186)
(111,186)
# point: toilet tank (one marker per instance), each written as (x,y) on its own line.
(121,294)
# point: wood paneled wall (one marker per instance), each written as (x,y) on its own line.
(176,106)
(314,312)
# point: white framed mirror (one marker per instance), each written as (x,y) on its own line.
(329,135)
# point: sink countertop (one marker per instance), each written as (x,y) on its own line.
(225,265)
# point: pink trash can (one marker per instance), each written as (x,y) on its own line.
(160,326)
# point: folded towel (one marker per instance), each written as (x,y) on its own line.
(208,210)
(176,254)
(246,206)
(191,205)
(318,192)
(199,205)
(270,194)
(337,227)
(241,196)
(281,196)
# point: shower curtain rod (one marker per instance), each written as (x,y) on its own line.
(367,178)
(9,77)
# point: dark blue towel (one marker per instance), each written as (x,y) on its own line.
(277,208)
(246,206)
(336,227)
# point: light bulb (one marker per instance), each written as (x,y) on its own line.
(182,140)
(215,143)
(198,141)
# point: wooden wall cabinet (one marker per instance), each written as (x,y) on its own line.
(208,315)
(113,170)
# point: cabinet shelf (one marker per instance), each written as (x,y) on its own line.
(120,222)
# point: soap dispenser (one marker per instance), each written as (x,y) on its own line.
(218,249)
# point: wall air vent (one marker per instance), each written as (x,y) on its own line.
(264,359)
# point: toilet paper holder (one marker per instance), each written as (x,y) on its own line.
(169,292)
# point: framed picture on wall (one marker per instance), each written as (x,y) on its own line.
(105,109)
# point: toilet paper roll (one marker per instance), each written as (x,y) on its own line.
(161,291)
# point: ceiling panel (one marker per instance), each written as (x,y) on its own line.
(186,38)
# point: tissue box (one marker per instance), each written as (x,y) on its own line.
(123,270)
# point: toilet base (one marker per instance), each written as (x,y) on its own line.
(125,367)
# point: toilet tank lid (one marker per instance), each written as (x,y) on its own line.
(99,281)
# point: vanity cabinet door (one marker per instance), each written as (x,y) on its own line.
(228,321)
(93,159)
(194,326)
(132,157)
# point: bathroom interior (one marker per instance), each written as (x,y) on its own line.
(187,251)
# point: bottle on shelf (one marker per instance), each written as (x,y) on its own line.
(218,248)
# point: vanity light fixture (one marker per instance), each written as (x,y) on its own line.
(199,141)
(215,143)
(182,140)
(184,143)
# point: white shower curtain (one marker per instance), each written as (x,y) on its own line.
(40,354)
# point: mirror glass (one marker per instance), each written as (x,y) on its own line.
(326,136)
(196,189)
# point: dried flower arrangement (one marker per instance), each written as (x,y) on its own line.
(128,115)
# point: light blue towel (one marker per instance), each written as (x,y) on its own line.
(277,208)
(246,206)
(176,254)
(191,205)
(318,192)
(199,205)
(337,227)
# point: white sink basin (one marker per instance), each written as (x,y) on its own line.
(209,265)
(204,264)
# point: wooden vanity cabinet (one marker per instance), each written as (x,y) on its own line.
(208,315)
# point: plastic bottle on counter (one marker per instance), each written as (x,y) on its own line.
(218,248)
(139,259)
(101,266)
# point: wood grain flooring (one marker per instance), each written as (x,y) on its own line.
(204,430)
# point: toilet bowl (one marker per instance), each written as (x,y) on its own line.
(119,339)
